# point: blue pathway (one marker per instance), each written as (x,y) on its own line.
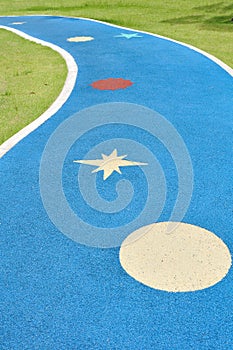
(58,294)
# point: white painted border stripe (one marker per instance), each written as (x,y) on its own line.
(220,63)
(73,71)
(204,53)
(57,104)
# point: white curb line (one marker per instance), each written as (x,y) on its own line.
(204,53)
(72,75)
(57,104)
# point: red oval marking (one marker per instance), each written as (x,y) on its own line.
(111,84)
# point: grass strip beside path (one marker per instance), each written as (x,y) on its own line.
(32,76)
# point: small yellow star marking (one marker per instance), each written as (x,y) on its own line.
(109,164)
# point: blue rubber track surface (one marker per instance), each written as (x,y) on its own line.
(58,294)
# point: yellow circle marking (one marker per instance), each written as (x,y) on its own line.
(79,39)
(175,257)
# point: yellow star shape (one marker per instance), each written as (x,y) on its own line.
(109,164)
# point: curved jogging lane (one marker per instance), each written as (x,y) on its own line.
(141,136)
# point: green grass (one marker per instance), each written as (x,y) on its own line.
(31,77)
(204,24)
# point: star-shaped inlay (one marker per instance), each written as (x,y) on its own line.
(109,164)
(128,36)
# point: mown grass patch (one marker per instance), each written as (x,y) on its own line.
(31,77)
(205,25)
